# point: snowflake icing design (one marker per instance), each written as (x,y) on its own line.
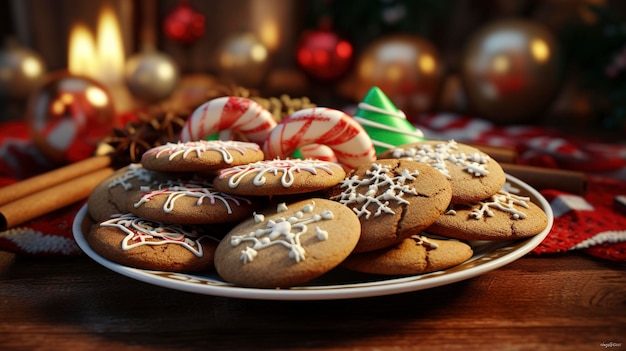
(382,188)
(436,156)
(200,190)
(135,171)
(285,231)
(198,147)
(142,231)
(504,200)
(261,168)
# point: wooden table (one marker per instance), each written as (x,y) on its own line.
(564,302)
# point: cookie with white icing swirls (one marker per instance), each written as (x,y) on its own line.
(279,177)
(287,245)
(110,196)
(142,243)
(393,199)
(201,155)
(506,215)
(190,202)
(473,175)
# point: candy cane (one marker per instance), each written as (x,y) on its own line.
(228,113)
(333,128)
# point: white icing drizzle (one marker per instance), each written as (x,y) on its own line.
(261,168)
(422,240)
(437,156)
(134,171)
(142,231)
(200,190)
(285,231)
(224,147)
(503,201)
(381,189)
(367,107)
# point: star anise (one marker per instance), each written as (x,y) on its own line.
(150,130)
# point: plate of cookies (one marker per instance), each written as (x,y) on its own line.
(250,219)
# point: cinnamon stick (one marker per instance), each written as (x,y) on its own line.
(549,178)
(50,199)
(37,183)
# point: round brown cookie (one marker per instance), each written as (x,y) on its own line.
(393,199)
(189,202)
(109,197)
(503,216)
(202,155)
(472,173)
(415,255)
(279,177)
(141,243)
(288,245)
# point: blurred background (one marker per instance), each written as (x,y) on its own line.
(543,62)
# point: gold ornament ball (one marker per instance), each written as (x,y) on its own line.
(244,60)
(151,76)
(511,71)
(407,68)
(21,71)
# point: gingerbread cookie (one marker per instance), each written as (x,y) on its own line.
(289,245)
(417,254)
(199,156)
(393,199)
(109,197)
(141,243)
(472,173)
(503,216)
(189,202)
(279,177)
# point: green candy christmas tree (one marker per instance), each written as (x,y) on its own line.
(386,125)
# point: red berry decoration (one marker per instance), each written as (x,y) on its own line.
(184,25)
(324,55)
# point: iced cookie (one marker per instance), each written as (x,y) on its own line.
(141,243)
(288,245)
(109,197)
(472,173)
(503,216)
(189,202)
(415,255)
(279,177)
(393,199)
(202,155)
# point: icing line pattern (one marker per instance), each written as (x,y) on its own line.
(200,190)
(377,179)
(224,147)
(285,231)
(287,167)
(436,156)
(142,231)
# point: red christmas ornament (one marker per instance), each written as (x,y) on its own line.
(184,25)
(324,55)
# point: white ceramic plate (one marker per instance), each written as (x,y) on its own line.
(338,284)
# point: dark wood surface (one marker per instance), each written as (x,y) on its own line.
(564,302)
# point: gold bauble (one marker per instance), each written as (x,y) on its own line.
(244,60)
(511,70)
(21,72)
(151,76)
(407,68)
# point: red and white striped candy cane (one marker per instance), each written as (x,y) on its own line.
(333,128)
(229,113)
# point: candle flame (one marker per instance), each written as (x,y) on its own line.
(82,52)
(110,48)
(100,57)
